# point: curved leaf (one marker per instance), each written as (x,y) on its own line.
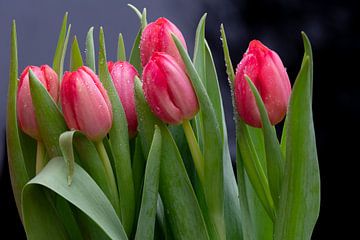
(231,200)
(299,203)
(214,180)
(49,118)
(182,210)
(275,162)
(83,193)
(58,61)
(17,166)
(147,215)
(119,141)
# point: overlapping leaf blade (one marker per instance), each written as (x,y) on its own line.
(146,223)
(214,183)
(18,173)
(119,140)
(50,121)
(182,210)
(83,193)
(300,197)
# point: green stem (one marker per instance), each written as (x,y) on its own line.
(40,157)
(195,150)
(110,178)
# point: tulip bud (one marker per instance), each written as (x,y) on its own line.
(168,90)
(123,74)
(156,37)
(267,72)
(24,105)
(85,103)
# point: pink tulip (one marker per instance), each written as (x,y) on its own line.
(168,90)
(24,105)
(123,74)
(156,37)
(85,103)
(267,72)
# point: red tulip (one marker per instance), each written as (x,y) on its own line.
(123,74)
(156,37)
(24,105)
(85,103)
(168,90)
(267,72)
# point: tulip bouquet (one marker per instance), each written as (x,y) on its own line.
(137,148)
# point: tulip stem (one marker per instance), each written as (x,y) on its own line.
(110,178)
(40,157)
(196,153)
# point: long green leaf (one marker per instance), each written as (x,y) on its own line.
(57,65)
(214,182)
(119,141)
(83,193)
(228,63)
(135,59)
(90,49)
(17,167)
(182,210)
(135,53)
(256,223)
(147,215)
(121,53)
(49,118)
(299,203)
(275,162)
(75,57)
(231,201)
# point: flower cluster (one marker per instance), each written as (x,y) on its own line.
(143,142)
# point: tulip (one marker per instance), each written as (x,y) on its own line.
(123,74)
(266,70)
(24,105)
(168,90)
(156,37)
(85,103)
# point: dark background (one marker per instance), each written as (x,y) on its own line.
(330,26)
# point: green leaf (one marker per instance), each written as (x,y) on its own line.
(256,223)
(199,50)
(275,162)
(143,19)
(135,53)
(83,194)
(182,210)
(137,12)
(90,49)
(135,59)
(119,141)
(58,57)
(138,168)
(247,226)
(66,146)
(147,215)
(121,53)
(214,182)
(75,57)
(299,203)
(231,201)
(228,63)
(17,166)
(49,118)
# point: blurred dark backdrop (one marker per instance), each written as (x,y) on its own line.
(330,26)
